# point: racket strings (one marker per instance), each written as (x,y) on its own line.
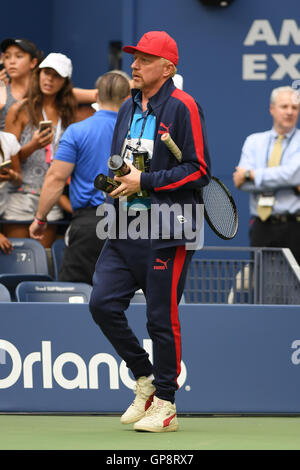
(220,209)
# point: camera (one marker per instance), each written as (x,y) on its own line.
(116,163)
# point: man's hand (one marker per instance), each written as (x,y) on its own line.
(36,230)
(130,184)
(52,189)
(239,176)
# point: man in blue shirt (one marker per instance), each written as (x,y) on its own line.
(274,187)
(82,154)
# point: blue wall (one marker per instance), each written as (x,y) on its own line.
(211,46)
(31,20)
(82,30)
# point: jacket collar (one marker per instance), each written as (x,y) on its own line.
(161,96)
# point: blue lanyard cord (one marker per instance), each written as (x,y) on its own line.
(145,116)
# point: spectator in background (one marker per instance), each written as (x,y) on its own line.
(83,153)
(269,169)
(20,58)
(50,97)
(9,149)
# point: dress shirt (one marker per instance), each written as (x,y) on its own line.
(280,180)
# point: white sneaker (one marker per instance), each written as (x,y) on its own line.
(144,396)
(160,417)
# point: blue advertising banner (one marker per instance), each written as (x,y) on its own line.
(236,359)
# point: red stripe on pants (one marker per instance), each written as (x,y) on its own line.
(177,270)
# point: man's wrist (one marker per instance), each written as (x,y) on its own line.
(248,175)
(40,220)
(146,181)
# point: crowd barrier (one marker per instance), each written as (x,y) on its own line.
(237,359)
(243,275)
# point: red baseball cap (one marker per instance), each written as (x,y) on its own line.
(157,43)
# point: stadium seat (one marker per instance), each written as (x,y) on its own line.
(138,297)
(4,294)
(57,251)
(38,291)
(27,261)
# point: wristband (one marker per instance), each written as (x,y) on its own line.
(40,221)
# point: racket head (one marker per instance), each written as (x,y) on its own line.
(219,209)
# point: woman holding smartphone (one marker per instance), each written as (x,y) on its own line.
(9,172)
(20,57)
(50,98)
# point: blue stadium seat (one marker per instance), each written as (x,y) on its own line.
(4,294)
(139,297)
(27,261)
(70,292)
(57,251)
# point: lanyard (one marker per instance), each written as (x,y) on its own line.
(145,116)
(50,149)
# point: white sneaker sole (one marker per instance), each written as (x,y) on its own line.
(132,420)
(146,428)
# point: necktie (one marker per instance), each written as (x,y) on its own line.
(264,212)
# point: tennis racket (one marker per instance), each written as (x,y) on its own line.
(219,207)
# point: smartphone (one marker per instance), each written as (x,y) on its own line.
(45,125)
(3,68)
(5,164)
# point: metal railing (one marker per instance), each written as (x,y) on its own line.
(243,275)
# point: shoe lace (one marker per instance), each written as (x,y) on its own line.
(140,392)
(152,409)
(138,396)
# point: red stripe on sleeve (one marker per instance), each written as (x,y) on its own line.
(197,137)
(195,122)
(192,177)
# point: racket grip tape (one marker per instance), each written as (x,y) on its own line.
(169,142)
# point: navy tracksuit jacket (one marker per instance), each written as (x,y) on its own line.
(157,266)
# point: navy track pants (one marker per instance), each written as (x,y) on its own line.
(123,267)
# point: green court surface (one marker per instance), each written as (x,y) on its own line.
(48,432)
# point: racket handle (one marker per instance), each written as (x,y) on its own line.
(167,139)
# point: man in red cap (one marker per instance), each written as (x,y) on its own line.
(157,264)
